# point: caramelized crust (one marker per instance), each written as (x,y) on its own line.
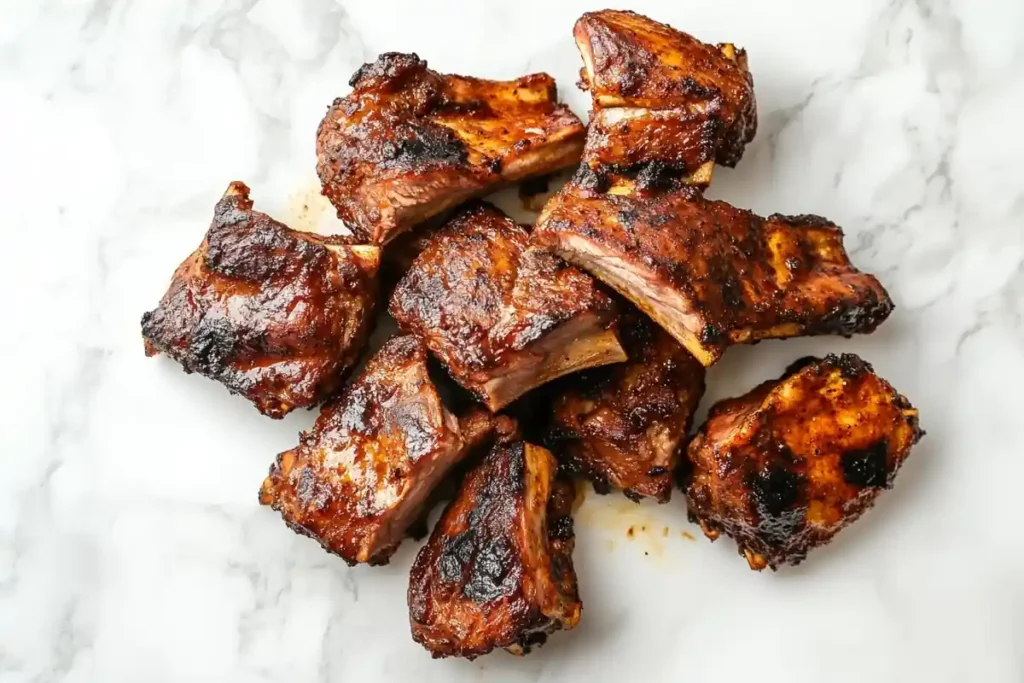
(784,468)
(623,424)
(666,106)
(497,570)
(712,274)
(502,317)
(409,143)
(274,314)
(358,479)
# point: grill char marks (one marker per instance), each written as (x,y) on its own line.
(501,316)
(712,274)
(784,468)
(497,570)
(274,314)
(358,480)
(409,143)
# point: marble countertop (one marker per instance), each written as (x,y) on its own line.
(132,547)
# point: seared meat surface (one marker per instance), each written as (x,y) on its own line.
(408,143)
(666,106)
(503,317)
(497,570)
(712,274)
(784,468)
(622,425)
(359,478)
(274,314)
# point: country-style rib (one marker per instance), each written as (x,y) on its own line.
(408,143)
(497,571)
(503,317)
(622,425)
(667,107)
(274,314)
(787,466)
(712,274)
(359,478)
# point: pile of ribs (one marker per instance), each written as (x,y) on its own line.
(528,358)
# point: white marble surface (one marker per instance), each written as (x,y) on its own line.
(131,544)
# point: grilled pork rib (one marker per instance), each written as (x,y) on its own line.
(274,314)
(360,477)
(666,106)
(623,424)
(409,143)
(784,468)
(712,274)
(497,571)
(502,317)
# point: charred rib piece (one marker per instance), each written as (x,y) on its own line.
(497,570)
(783,469)
(409,143)
(712,274)
(359,479)
(274,314)
(666,106)
(623,424)
(502,317)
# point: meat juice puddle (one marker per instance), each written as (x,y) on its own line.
(640,527)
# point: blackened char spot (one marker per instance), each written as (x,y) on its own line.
(867,467)
(388,66)
(711,335)
(628,216)
(775,489)
(732,293)
(429,143)
(482,558)
(588,179)
(212,346)
(849,365)
(560,528)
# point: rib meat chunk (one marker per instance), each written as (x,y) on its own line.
(497,570)
(666,106)
(784,468)
(360,477)
(623,424)
(408,143)
(501,316)
(274,314)
(712,274)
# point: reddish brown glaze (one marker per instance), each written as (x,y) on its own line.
(409,143)
(623,424)
(359,478)
(274,314)
(712,274)
(666,106)
(784,468)
(497,571)
(502,317)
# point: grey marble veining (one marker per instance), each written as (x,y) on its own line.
(132,547)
